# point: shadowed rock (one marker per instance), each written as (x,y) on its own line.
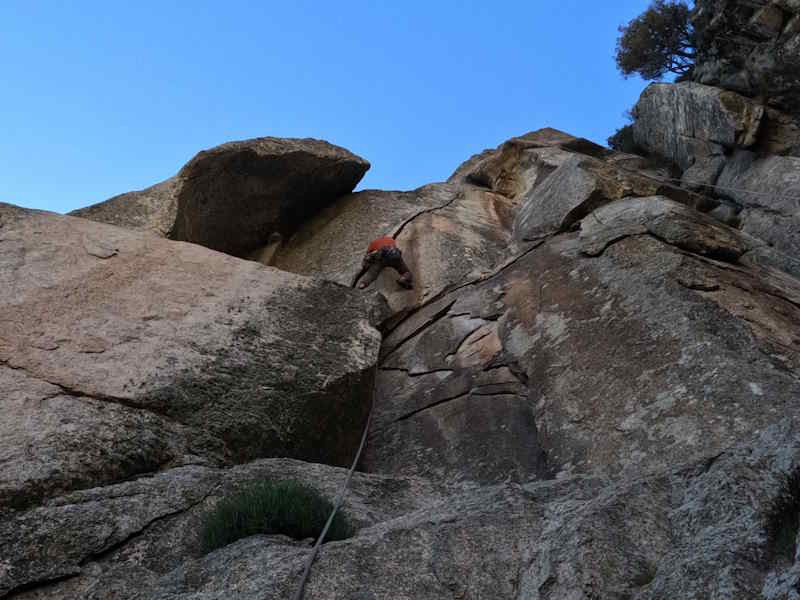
(160,353)
(751,48)
(232,197)
(768,190)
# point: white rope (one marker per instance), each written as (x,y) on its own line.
(340,498)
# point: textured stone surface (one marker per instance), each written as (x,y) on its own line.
(608,412)
(118,539)
(232,197)
(640,344)
(446,233)
(685,122)
(580,185)
(122,353)
(517,165)
(696,528)
(768,190)
(751,47)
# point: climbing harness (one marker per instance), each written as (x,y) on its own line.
(340,497)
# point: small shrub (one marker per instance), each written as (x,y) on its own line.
(622,141)
(661,40)
(286,507)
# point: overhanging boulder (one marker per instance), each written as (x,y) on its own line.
(232,197)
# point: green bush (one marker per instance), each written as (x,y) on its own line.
(285,507)
(622,141)
(659,41)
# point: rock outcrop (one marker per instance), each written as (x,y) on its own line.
(768,191)
(122,354)
(751,47)
(730,142)
(593,390)
(233,197)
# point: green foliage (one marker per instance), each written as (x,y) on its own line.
(285,507)
(659,41)
(622,140)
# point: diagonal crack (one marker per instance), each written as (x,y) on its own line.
(448,290)
(419,374)
(135,534)
(430,322)
(429,406)
(459,195)
(465,337)
(100,554)
(77,393)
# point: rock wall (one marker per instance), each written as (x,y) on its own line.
(592,391)
(751,47)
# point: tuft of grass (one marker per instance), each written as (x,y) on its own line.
(783,520)
(285,507)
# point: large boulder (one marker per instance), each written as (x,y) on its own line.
(232,197)
(522,163)
(556,179)
(768,191)
(122,353)
(688,122)
(517,165)
(582,184)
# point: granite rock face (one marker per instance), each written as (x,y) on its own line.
(592,392)
(735,149)
(686,122)
(233,197)
(768,191)
(751,47)
(446,233)
(122,354)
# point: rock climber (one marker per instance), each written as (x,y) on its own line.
(382,253)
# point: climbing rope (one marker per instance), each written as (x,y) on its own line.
(679,181)
(340,497)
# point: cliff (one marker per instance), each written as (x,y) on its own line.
(592,391)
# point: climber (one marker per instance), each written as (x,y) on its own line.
(382,253)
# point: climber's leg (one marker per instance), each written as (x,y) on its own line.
(395,260)
(371,275)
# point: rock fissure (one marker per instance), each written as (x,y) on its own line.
(493,274)
(409,373)
(77,393)
(458,196)
(408,415)
(139,532)
(440,314)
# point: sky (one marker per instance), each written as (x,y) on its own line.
(101,98)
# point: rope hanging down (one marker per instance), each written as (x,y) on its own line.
(340,497)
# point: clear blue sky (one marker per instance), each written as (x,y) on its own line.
(100,98)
